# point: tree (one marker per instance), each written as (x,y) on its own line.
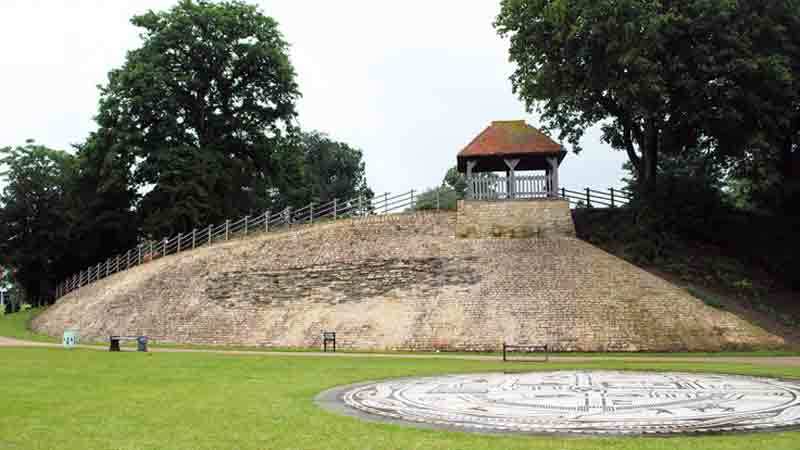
(331,169)
(101,201)
(202,104)
(765,177)
(446,195)
(663,78)
(456,181)
(438,198)
(34,219)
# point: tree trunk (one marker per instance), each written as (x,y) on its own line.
(786,170)
(649,144)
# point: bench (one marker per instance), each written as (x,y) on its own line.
(141,342)
(524,348)
(328,337)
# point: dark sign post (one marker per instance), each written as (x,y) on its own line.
(328,337)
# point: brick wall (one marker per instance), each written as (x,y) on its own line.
(514,218)
(400,282)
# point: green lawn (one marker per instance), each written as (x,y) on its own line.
(16,325)
(87,399)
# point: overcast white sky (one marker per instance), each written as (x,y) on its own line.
(410,83)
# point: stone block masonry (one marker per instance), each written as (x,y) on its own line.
(514,218)
(404,282)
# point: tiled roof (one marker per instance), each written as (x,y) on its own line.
(510,137)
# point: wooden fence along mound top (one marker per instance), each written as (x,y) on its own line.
(387,281)
(358,208)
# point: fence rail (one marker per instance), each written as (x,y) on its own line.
(265,222)
(590,198)
(528,187)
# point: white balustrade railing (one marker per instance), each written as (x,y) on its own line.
(489,187)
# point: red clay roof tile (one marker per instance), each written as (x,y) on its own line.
(511,137)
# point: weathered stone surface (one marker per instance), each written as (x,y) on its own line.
(401,282)
(514,218)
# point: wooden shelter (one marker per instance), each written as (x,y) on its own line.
(511,147)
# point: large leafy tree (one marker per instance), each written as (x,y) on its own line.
(767,173)
(101,201)
(34,219)
(664,78)
(201,105)
(331,169)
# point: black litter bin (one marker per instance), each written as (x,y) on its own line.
(141,343)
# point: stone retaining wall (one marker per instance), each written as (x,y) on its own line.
(514,218)
(403,282)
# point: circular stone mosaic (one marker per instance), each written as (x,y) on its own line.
(585,402)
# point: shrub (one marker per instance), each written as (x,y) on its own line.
(448,199)
(706,298)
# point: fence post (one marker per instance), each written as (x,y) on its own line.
(564,193)
(413,206)
(180,235)
(360,208)
(385,202)
(612,197)
(164,249)
(437,198)
(288,216)
(139,247)
(210,238)
(334,209)
(588,198)
(246,218)
(266,222)
(227,228)
(194,238)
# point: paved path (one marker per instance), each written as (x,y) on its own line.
(791,361)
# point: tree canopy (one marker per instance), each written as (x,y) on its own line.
(34,236)
(662,78)
(202,103)
(197,126)
(332,169)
